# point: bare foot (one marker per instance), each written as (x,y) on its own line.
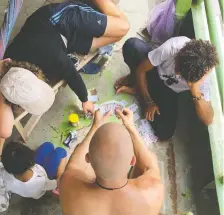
(125,89)
(124,81)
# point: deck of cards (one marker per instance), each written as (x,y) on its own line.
(110,106)
(147,132)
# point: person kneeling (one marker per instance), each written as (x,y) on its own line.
(30,174)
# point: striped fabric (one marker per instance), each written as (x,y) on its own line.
(14,7)
(65,7)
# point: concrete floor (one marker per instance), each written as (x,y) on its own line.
(185,161)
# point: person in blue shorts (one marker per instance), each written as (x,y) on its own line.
(31,173)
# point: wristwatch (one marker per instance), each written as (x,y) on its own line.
(150,102)
(197,98)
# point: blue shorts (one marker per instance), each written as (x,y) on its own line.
(49,158)
(79,23)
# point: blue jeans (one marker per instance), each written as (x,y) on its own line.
(49,158)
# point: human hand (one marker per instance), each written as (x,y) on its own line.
(125,89)
(2,61)
(88,107)
(127,118)
(150,112)
(195,87)
(99,119)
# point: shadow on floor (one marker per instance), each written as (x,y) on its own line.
(195,138)
(47,205)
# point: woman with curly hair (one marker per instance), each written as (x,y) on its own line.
(158,75)
(23,84)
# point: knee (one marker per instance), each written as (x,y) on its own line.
(6,129)
(6,121)
(164,132)
(129,46)
(48,145)
(123,26)
(5,132)
(130,43)
(62,153)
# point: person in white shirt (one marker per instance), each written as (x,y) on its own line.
(157,76)
(30,174)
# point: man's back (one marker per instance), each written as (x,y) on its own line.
(80,195)
(95,180)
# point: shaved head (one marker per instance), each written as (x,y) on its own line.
(111,151)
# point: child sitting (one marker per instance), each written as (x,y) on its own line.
(30,174)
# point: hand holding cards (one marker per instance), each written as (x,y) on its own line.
(110,107)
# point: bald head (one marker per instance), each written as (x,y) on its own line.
(111,151)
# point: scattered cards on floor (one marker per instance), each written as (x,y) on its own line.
(136,117)
(133,107)
(124,103)
(93,98)
(147,132)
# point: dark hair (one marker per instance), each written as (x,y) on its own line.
(195,59)
(17,158)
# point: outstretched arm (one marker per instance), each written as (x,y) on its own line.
(146,161)
(142,90)
(77,159)
(142,87)
(203,108)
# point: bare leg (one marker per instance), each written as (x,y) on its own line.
(107,7)
(6,119)
(117,23)
(102,41)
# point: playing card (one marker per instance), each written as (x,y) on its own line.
(118,106)
(147,133)
(136,117)
(133,107)
(102,110)
(146,125)
(124,103)
(96,107)
(93,98)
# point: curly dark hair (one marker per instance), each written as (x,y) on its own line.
(7,65)
(195,59)
(17,158)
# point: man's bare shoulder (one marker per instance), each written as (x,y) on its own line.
(148,180)
(74,176)
(72,180)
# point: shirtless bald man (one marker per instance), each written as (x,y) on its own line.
(96,178)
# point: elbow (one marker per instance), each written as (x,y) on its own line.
(5,133)
(209,120)
(124,26)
